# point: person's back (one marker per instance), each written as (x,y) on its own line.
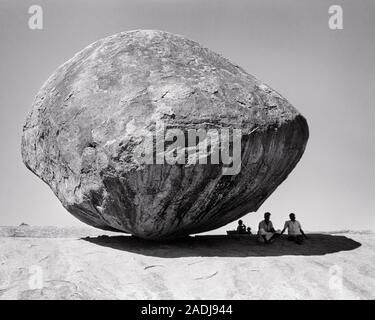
(295,231)
(294,227)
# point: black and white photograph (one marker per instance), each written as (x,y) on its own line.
(191,150)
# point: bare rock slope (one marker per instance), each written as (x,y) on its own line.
(326,266)
(93,112)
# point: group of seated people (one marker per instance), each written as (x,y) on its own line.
(241,228)
(267,233)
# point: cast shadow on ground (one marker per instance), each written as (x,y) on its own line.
(223,246)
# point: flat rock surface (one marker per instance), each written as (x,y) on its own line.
(205,267)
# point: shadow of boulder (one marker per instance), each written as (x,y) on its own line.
(223,246)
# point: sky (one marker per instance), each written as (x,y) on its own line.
(328,75)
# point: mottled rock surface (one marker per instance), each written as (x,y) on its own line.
(97,107)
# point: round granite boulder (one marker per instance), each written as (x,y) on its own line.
(89,119)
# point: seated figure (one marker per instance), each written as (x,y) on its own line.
(241,228)
(295,232)
(266,231)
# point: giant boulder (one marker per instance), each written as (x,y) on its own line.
(96,108)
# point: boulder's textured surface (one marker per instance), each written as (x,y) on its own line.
(96,109)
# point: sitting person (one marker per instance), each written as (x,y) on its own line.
(241,228)
(266,231)
(295,232)
(248,230)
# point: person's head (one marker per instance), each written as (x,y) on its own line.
(267,216)
(248,229)
(240,222)
(292,217)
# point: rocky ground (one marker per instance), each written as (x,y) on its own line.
(71,263)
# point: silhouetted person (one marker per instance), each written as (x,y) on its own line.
(248,230)
(266,231)
(241,228)
(295,232)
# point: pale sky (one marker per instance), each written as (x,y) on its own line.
(329,76)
